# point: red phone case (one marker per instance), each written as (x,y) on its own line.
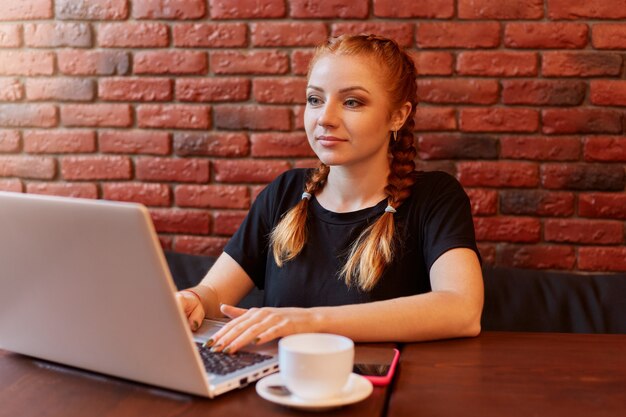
(381,381)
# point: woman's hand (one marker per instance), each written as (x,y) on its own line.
(259,325)
(190,304)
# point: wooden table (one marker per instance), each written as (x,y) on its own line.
(513,374)
(496,374)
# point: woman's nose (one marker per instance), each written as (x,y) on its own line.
(328,116)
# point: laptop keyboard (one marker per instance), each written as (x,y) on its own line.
(223,363)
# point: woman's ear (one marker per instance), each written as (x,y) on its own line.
(400,115)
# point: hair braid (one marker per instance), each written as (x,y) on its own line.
(290,234)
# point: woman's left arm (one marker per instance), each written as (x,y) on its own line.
(452,309)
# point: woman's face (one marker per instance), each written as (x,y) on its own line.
(347,115)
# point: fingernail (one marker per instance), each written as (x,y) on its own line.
(208,343)
(256,340)
(195,325)
(216,348)
(227,350)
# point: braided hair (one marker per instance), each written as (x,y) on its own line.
(373,250)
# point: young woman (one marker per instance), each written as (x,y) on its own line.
(364,245)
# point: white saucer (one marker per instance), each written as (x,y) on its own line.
(357,389)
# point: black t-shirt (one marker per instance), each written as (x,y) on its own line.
(434,219)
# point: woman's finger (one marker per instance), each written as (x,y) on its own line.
(251,334)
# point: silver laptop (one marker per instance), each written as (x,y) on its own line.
(85,283)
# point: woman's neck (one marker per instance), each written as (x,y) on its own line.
(350,189)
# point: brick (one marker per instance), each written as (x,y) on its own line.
(213,196)
(543,92)
(597,232)
(96,115)
(581,64)
(414,8)
(608,93)
(227,222)
(553,35)
(537,202)
(457,91)
(281,91)
(11,89)
(96,168)
(63,89)
(487,253)
(252,117)
(435,118)
(12,185)
(28,115)
(306,9)
(91,9)
(602,259)
(59,141)
(147,194)
(306,163)
(604,205)
(300,60)
(605,148)
(579,120)
(402,33)
(196,245)
(135,89)
(170,62)
(436,165)
(483,202)
(458,35)
(174,116)
(10,36)
(25,9)
(249,171)
(503,10)
(210,35)
(298,117)
(166,242)
(498,174)
(542,148)
(63,189)
(497,64)
(169,9)
(454,146)
(499,120)
(133,35)
(256,190)
(246,9)
(172,169)
(39,167)
(180,221)
(134,142)
(57,34)
(26,63)
(221,144)
(255,62)
(288,34)
(583,177)
(609,36)
(537,256)
(582,9)
(286,145)
(433,63)
(507,229)
(212,89)
(10,141)
(77,62)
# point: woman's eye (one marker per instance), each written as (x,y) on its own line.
(352,103)
(313,101)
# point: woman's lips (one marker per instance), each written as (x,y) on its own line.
(329,140)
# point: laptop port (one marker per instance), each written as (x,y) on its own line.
(243,382)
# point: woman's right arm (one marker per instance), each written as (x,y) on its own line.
(225,283)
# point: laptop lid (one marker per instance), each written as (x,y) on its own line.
(85,283)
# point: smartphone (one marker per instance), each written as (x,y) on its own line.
(377,364)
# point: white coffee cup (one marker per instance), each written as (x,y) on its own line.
(315,366)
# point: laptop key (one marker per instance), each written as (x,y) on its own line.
(223,363)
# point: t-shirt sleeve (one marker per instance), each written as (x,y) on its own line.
(249,245)
(448,220)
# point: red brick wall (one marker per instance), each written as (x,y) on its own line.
(190,106)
